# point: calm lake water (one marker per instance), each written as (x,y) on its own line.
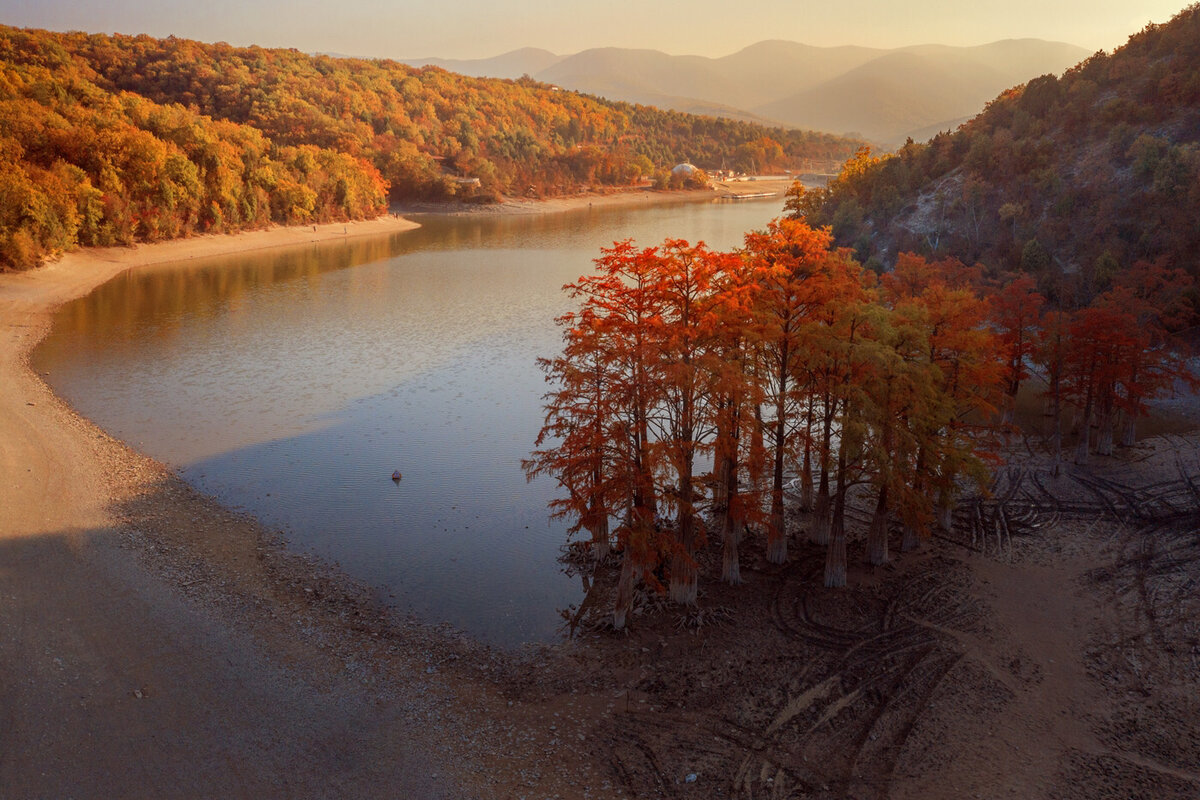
(292,383)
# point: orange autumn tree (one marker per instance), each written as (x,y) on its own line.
(901,403)
(579,419)
(961,353)
(684,333)
(1102,338)
(842,361)
(1158,299)
(1108,360)
(736,394)
(1050,355)
(611,333)
(793,266)
(1016,312)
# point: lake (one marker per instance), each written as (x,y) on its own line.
(291,383)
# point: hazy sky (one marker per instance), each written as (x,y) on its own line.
(480,28)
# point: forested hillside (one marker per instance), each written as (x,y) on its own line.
(1069,179)
(115,139)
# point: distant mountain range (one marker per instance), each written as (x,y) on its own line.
(882,95)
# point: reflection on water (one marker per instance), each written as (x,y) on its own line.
(292,383)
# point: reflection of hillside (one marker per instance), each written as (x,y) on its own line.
(196,359)
(165,293)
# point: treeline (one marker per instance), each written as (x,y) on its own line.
(83,165)
(1063,178)
(788,358)
(114,139)
(422,127)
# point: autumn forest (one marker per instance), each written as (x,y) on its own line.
(117,139)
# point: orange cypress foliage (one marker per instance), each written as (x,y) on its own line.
(685,331)
(736,393)
(795,272)
(612,338)
(1102,339)
(1016,312)
(1158,299)
(962,354)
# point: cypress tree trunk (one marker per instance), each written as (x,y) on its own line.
(777,527)
(877,536)
(806,480)
(777,548)
(1104,434)
(806,471)
(601,546)
(819,532)
(911,540)
(945,509)
(732,525)
(683,563)
(1129,431)
(597,525)
(835,556)
(1085,435)
(758,450)
(1010,408)
(1128,419)
(1056,436)
(625,586)
(731,566)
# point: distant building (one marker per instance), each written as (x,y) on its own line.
(685,169)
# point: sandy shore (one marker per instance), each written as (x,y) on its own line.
(153,643)
(616,198)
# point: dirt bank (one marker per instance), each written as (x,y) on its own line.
(613,198)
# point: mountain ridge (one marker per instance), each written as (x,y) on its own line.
(796,84)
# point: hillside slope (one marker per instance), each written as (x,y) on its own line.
(116,139)
(1069,179)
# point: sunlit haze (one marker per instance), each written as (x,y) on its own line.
(482,28)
